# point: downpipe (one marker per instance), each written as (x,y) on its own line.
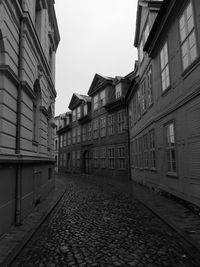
(18,131)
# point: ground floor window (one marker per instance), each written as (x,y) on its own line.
(121,157)
(95,157)
(111,157)
(170,147)
(102,157)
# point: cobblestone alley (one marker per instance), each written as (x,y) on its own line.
(98,224)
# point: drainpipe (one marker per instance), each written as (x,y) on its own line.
(18,130)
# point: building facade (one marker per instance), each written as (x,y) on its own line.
(164,102)
(96,139)
(29,38)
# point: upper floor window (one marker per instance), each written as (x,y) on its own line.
(118,92)
(102,98)
(74,136)
(95,129)
(141,52)
(89,131)
(69,138)
(95,99)
(164,64)
(170,147)
(143,96)
(85,110)
(121,121)
(74,115)
(111,124)
(78,134)
(111,157)
(149,88)
(84,133)
(103,127)
(188,38)
(78,112)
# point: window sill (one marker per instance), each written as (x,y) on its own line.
(153,169)
(172,175)
(190,68)
(35,143)
(166,91)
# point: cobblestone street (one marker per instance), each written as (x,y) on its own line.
(98,224)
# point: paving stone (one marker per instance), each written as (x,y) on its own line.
(97,224)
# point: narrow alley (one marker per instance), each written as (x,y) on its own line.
(97,223)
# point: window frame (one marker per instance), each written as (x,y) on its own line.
(164,68)
(170,148)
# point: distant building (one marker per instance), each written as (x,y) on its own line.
(164,102)
(96,139)
(29,38)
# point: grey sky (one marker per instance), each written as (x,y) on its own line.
(96,37)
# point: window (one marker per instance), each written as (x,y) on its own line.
(89,131)
(56,144)
(73,159)
(121,157)
(85,110)
(152,151)
(102,157)
(78,158)
(96,98)
(103,127)
(149,88)
(188,38)
(61,141)
(64,159)
(78,112)
(95,158)
(84,133)
(69,138)
(50,174)
(78,134)
(164,63)
(64,139)
(146,154)
(121,121)
(73,136)
(132,153)
(143,97)
(141,52)
(111,124)
(36,111)
(170,148)
(140,152)
(111,157)
(118,92)
(73,115)
(95,129)
(102,98)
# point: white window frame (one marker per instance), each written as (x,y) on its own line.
(103,126)
(96,102)
(170,148)
(164,67)
(187,33)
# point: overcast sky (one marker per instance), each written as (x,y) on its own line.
(96,37)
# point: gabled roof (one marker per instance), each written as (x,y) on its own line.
(77,99)
(142,4)
(99,81)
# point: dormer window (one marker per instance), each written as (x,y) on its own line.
(118,92)
(74,115)
(95,102)
(85,110)
(78,112)
(102,98)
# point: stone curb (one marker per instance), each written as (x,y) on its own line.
(13,242)
(189,243)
